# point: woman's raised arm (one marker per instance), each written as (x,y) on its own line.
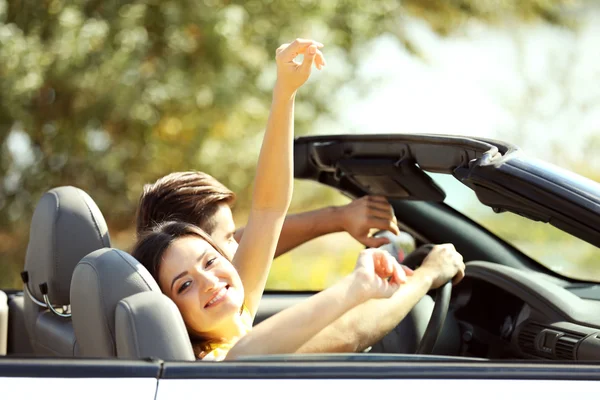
(274,174)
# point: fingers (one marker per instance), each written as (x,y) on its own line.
(445,258)
(382,267)
(390,273)
(297,46)
(378,207)
(399,276)
(398,271)
(439,252)
(382,224)
(379,200)
(382,271)
(374,242)
(380,213)
(370,212)
(365,259)
(287,52)
(458,277)
(461,272)
(309,57)
(408,271)
(319,60)
(461,267)
(390,265)
(394,270)
(378,203)
(447,247)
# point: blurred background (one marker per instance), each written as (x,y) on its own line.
(107,96)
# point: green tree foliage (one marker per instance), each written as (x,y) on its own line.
(107,95)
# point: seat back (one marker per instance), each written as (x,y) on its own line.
(119,311)
(3,323)
(66,226)
(149,325)
(100,281)
(18,339)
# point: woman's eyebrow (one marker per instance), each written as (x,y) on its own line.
(177,277)
(186,272)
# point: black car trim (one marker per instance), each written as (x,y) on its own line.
(380,370)
(78,368)
(511,186)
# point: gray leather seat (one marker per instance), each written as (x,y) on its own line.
(66,226)
(18,339)
(3,323)
(149,325)
(119,311)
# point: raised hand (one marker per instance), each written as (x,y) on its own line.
(362,215)
(290,73)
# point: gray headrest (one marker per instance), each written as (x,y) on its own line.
(149,325)
(66,226)
(100,281)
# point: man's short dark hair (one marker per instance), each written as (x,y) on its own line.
(191,197)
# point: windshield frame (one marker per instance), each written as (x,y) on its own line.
(453,197)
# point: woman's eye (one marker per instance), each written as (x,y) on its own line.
(184,286)
(211,262)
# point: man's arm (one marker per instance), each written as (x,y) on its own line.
(357,218)
(369,322)
(303,227)
(286,332)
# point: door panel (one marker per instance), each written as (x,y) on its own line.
(273,303)
(77,388)
(63,379)
(434,389)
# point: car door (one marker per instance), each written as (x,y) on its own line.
(66,379)
(273,302)
(320,377)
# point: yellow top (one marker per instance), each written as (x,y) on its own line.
(219,351)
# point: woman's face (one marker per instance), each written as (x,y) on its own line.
(203,284)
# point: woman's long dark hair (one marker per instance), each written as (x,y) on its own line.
(150,249)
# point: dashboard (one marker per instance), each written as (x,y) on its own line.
(503,313)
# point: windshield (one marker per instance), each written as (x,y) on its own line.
(559,251)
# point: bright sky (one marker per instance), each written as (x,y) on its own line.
(477,83)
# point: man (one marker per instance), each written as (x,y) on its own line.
(200,199)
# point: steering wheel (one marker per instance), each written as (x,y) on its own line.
(438,317)
(442,299)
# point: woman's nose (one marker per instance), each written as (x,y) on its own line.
(208,281)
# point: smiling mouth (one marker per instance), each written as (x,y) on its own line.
(218,297)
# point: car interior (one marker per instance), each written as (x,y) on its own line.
(84,298)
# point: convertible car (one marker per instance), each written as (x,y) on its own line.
(90,321)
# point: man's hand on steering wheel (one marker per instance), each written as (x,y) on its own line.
(445,264)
